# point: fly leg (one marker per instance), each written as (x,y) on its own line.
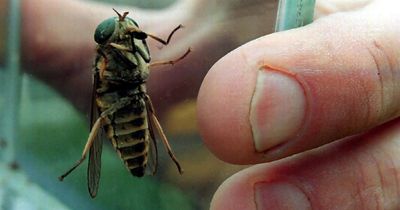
(93,133)
(159,129)
(120,47)
(159,63)
(169,36)
(139,34)
(91,138)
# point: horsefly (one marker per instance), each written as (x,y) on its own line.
(121,107)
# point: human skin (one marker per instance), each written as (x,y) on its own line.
(343,72)
(335,80)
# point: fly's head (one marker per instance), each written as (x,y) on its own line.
(118,28)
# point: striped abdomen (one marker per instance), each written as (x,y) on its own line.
(128,131)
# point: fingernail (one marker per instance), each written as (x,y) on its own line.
(280,195)
(277,109)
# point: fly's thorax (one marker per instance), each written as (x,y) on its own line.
(120,65)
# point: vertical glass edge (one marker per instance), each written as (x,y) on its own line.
(13,81)
(293,14)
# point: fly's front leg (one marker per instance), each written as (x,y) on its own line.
(159,63)
(92,136)
(120,47)
(139,34)
(169,36)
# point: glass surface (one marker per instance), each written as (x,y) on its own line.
(43,134)
(294,14)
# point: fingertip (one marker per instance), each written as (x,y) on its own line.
(247,190)
(234,193)
(223,108)
(313,92)
(345,173)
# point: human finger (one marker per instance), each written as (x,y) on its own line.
(295,90)
(360,172)
(327,7)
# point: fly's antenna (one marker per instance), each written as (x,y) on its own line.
(121,17)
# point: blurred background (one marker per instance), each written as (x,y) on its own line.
(42,134)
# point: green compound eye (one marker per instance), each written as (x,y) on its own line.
(104,30)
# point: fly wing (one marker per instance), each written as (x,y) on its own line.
(153,151)
(94,165)
(154,121)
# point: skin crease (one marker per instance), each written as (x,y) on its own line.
(341,55)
